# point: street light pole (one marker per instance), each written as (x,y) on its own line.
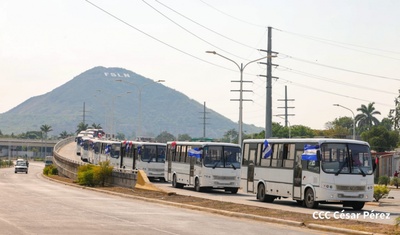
(140,88)
(241,69)
(354,119)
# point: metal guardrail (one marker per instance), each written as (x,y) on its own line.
(69,168)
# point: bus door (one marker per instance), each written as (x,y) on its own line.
(252,148)
(192,160)
(297,175)
(250,177)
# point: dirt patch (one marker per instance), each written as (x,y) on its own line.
(253,210)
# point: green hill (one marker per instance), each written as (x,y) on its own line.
(115,105)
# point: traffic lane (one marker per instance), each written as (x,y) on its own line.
(370,213)
(38,206)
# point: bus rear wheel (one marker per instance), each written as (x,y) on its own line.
(176,184)
(309,200)
(261,196)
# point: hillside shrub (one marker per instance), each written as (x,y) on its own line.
(50,170)
(384,179)
(92,175)
(6,163)
(380,191)
(86,175)
(395,181)
(103,172)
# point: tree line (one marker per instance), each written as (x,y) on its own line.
(382,135)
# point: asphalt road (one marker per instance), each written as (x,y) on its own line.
(369,213)
(31,204)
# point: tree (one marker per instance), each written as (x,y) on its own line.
(380,138)
(365,120)
(340,127)
(96,126)
(63,135)
(164,137)
(81,127)
(45,129)
(184,137)
(394,114)
(231,136)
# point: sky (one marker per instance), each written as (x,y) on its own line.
(343,52)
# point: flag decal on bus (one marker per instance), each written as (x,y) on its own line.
(194,153)
(310,152)
(267,150)
(107,150)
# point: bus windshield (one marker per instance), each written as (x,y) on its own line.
(153,153)
(221,157)
(346,159)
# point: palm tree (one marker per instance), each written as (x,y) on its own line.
(96,126)
(63,135)
(45,129)
(365,120)
(81,127)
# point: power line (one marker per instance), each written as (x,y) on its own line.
(333,80)
(154,38)
(213,31)
(188,31)
(342,69)
(332,93)
(335,43)
(233,17)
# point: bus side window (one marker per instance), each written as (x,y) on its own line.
(277,155)
(288,160)
(266,162)
(245,161)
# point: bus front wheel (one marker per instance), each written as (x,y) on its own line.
(357,205)
(309,200)
(197,185)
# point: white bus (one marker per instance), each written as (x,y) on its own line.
(204,165)
(79,142)
(146,156)
(310,171)
(100,150)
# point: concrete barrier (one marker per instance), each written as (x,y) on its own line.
(69,168)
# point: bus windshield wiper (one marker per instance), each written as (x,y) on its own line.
(362,172)
(341,168)
(233,166)
(215,165)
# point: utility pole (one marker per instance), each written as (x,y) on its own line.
(268,105)
(84,113)
(204,120)
(286,107)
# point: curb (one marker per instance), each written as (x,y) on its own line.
(226,213)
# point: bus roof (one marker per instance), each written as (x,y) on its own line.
(203,143)
(307,140)
(142,143)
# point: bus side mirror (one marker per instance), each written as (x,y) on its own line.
(373,166)
(319,155)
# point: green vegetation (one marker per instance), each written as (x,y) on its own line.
(380,191)
(50,170)
(93,175)
(383,179)
(6,163)
(395,181)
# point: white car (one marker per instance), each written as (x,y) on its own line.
(21,166)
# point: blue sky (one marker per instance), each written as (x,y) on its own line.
(341,51)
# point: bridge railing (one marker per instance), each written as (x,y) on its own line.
(69,168)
